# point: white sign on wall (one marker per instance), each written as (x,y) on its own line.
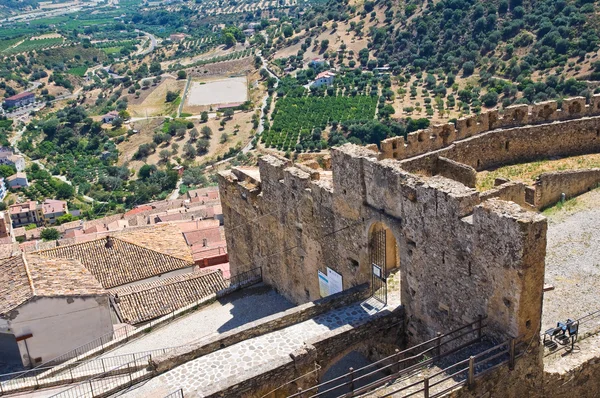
(377,270)
(336,284)
(323,284)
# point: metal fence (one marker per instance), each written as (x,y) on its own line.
(111,381)
(175,394)
(232,283)
(400,364)
(124,365)
(119,333)
(79,371)
(588,325)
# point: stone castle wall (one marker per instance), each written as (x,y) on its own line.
(517,145)
(459,258)
(440,136)
(549,187)
(511,191)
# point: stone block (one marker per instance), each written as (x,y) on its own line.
(544,112)
(573,108)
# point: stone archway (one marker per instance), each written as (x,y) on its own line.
(392,254)
(384,257)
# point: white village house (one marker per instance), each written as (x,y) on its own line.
(48,306)
(8,157)
(324,78)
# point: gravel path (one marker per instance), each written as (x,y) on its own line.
(573,261)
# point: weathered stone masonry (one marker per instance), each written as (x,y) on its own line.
(460,253)
(458,257)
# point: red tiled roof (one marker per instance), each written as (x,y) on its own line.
(137,210)
(23,207)
(210,234)
(325,74)
(24,94)
(196,225)
(198,247)
(53,206)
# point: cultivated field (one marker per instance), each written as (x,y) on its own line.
(218,92)
(152,100)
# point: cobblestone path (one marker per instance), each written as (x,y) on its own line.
(200,373)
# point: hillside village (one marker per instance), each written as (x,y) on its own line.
(330,199)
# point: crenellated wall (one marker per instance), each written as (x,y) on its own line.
(441,136)
(458,257)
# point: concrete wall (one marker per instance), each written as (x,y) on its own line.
(550,186)
(59,324)
(459,258)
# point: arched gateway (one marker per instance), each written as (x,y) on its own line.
(384,257)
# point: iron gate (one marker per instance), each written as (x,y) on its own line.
(378,270)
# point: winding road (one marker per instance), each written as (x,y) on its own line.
(261,123)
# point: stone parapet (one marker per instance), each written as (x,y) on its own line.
(549,187)
(441,136)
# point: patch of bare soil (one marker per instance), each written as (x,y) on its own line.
(154,103)
(573,261)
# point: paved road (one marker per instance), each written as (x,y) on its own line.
(175,192)
(152,45)
(234,310)
(185,91)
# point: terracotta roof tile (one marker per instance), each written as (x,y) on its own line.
(15,285)
(23,277)
(146,301)
(164,238)
(118,262)
(195,225)
(61,277)
(212,235)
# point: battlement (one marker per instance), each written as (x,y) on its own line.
(313,218)
(439,136)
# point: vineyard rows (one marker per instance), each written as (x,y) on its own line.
(228,57)
(189,44)
(295,117)
(34,45)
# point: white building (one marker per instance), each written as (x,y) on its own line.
(109,117)
(315,62)
(18,180)
(324,78)
(2,188)
(9,158)
(49,306)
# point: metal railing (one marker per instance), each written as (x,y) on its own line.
(400,364)
(242,279)
(175,394)
(111,381)
(123,333)
(592,323)
(79,371)
(468,369)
